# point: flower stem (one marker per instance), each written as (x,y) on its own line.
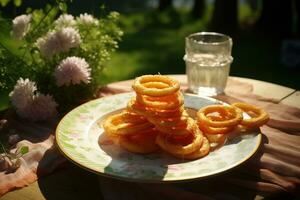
(36,28)
(5,48)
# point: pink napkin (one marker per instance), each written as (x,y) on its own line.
(42,158)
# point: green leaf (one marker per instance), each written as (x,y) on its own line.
(28,10)
(4,2)
(63,7)
(4,100)
(23,150)
(102,7)
(17,2)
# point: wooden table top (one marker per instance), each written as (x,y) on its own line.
(284,94)
(75,183)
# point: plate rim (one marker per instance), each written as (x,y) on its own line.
(140,180)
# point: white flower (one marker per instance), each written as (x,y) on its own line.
(58,41)
(41,108)
(29,104)
(22,94)
(87,19)
(20,26)
(72,70)
(64,20)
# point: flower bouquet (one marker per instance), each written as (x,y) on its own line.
(59,61)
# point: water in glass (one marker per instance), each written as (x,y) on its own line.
(207,73)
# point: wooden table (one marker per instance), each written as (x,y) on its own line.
(76,183)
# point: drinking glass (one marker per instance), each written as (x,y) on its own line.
(208,59)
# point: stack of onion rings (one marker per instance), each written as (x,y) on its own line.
(159,100)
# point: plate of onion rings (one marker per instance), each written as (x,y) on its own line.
(159,137)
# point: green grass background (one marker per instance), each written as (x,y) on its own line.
(154,43)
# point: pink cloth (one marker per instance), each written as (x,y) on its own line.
(42,158)
(274,171)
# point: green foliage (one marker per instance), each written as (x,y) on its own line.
(12,158)
(25,60)
(4,3)
(17,2)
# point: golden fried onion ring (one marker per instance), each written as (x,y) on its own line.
(173,121)
(201,152)
(141,85)
(216,138)
(179,149)
(179,130)
(234,115)
(163,103)
(115,125)
(259,118)
(134,106)
(214,130)
(132,117)
(141,142)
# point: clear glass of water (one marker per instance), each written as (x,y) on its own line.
(208,59)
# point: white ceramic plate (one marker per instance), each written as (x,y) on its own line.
(78,136)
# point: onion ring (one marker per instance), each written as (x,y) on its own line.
(142,142)
(201,152)
(141,88)
(132,117)
(234,113)
(213,130)
(260,119)
(181,139)
(180,130)
(158,85)
(152,112)
(114,125)
(163,103)
(166,145)
(174,121)
(216,138)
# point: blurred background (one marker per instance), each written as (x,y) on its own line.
(265,34)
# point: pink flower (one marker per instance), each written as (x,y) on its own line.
(86,19)
(20,26)
(57,41)
(29,103)
(72,70)
(65,20)
(42,107)
(22,94)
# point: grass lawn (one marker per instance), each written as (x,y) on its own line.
(154,43)
(154,48)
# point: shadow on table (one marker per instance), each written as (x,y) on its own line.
(69,182)
(222,186)
(128,166)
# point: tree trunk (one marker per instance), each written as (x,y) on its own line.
(225,16)
(276,17)
(198,8)
(164,4)
(297,5)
